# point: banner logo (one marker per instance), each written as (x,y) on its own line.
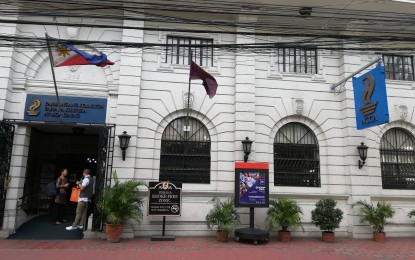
(32,109)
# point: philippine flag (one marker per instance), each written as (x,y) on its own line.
(64,54)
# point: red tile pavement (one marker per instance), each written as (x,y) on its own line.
(201,248)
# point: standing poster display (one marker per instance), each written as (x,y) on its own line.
(251,184)
(251,191)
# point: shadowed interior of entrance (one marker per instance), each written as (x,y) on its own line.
(53,148)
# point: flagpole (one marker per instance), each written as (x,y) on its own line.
(53,74)
(187,130)
(188,92)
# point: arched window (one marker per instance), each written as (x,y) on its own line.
(296,157)
(397,159)
(185,155)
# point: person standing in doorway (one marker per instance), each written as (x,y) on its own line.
(85,185)
(60,199)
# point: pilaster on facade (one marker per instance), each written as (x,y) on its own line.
(244,92)
(17,172)
(356,182)
(129,95)
(6,65)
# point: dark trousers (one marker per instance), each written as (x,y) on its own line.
(51,211)
(59,212)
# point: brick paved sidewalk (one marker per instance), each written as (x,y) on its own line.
(200,248)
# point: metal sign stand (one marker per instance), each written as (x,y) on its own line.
(163,236)
(335,85)
(251,233)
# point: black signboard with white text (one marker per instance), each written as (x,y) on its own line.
(164,198)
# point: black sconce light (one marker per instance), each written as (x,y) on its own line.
(246,145)
(362,148)
(305,11)
(124,140)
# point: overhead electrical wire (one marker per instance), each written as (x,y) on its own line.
(374,31)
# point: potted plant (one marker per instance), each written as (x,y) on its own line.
(376,216)
(327,217)
(223,215)
(284,213)
(117,204)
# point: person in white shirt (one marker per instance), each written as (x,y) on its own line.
(85,194)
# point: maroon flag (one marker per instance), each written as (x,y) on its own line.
(209,82)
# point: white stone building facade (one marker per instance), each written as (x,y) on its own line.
(254,99)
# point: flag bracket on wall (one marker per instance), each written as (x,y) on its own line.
(335,85)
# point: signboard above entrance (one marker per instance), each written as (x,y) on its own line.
(70,109)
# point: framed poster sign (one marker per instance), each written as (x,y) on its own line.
(251,184)
(164,198)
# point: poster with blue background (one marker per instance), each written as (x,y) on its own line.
(251,185)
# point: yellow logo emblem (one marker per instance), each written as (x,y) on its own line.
(32,109)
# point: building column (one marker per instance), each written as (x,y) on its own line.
(129,99)
(6,61)
(356,179)
(244,92)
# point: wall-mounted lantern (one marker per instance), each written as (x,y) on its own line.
(124,140)
(246,144)
(362,148)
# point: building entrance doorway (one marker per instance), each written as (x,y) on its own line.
(51,149)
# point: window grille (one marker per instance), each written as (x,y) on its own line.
(296,157)
(397,158)
(398,67)
(178,50)
(297,60)
(185,155)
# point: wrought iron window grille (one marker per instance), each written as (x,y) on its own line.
(399,67)
(297,60)
(397,157)
(178,50)
(296,157)
(185,155)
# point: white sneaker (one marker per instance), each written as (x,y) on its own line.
(71,228)
(80,227)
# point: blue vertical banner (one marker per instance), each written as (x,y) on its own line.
(370,99)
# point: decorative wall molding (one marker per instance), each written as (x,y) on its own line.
(298,105)
(188,99)
(401,111)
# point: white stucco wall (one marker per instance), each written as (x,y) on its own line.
(253,99)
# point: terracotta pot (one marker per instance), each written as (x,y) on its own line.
(222,236)
(284,236)
(113,232)
(379,236)
(327,236)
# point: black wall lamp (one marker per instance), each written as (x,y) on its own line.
(362,148)
(305,11)
(124,140)
(246,145)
